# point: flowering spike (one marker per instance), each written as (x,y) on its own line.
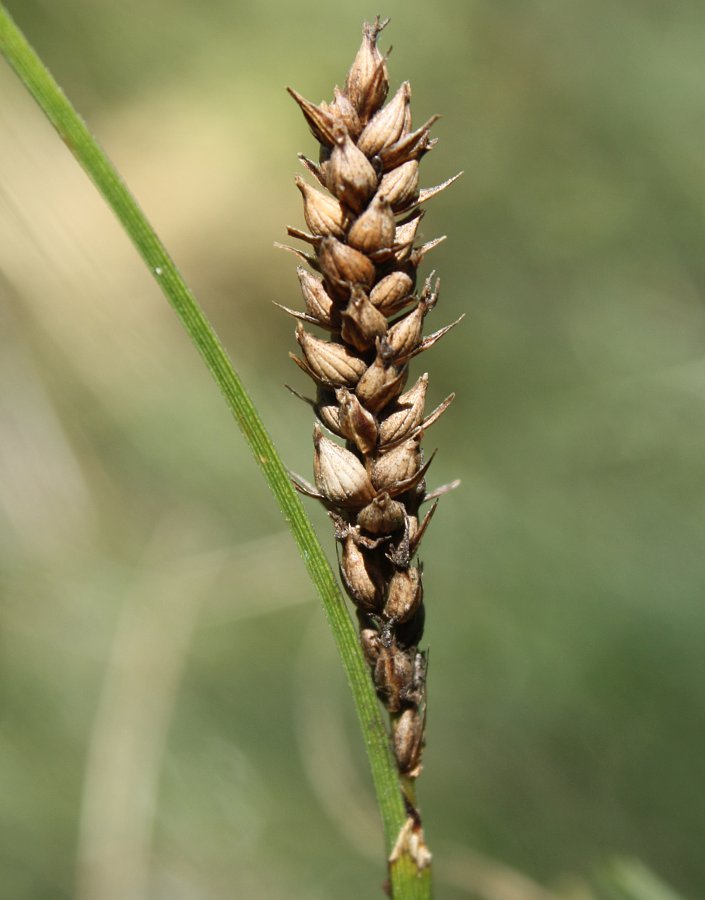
(363,233)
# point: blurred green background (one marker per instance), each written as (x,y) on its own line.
(174,723)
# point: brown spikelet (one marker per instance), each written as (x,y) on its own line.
(364,297)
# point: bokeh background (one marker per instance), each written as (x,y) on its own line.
(174,723)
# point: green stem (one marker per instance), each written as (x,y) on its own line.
(407,882)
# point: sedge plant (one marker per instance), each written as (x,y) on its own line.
(359,286)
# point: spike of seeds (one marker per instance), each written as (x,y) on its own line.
(374,485)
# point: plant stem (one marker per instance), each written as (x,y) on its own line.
(407,882)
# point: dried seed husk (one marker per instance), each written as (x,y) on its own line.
(404,237)
(404,594)
(393,675)
(392,292)
(397,465)
(406,414)
(405,334)
(319,305)
(415,481)
(343,265)
(382,516)
(339,475)
(349,174)
(323,214)
(343,109)
(361,576)
(411,146)
(357,424)
(408,741)
(320,121)
(332,364)
(401,185)
(328,412)
(375,228)
(362,323)
(385,128)
(367,81)
(380,384)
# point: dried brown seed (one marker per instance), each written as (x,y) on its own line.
(331,363)
(345,112)
(323,213)
(374,230)
(343,265)
(349,174)
(406,414)
(356,423)
(411,146)
(415,482)
(404,335)
(367,82)
(392,292)
(320,121)
(382,516)
(385,128)
(380,384)
(408,740)
(401,185)
(404,594)
(339,474)
(319,305)
(361,576)
(397,465)
(362,323)
(328,411)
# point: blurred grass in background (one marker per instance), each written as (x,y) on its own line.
(174,722)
